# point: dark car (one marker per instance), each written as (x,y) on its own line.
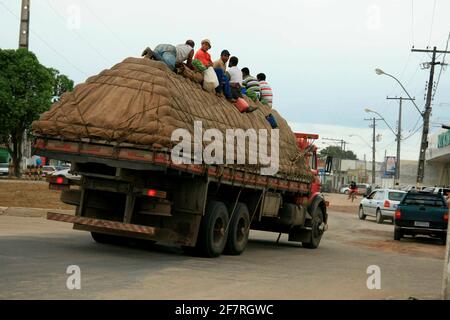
(421,213)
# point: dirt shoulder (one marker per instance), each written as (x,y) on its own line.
(341,203)
(30,194)
(36,194)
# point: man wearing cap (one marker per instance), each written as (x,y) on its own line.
(202,54)
(220,68)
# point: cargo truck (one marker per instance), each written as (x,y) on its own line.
(134,190)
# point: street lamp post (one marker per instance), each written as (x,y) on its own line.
(398,135)
(425,117)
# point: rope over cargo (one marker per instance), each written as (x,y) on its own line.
(141,101)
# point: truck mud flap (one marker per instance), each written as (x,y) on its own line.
(119,228)
(300,235)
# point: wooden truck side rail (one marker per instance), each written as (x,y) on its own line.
(159,160)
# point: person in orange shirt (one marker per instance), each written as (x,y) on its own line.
(202,54)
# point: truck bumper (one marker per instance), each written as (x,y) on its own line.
(123,229)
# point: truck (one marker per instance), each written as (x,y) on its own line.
(129,190)
(422,213)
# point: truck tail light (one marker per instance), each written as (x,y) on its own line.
(398,214)
(57,180)
(387,204)
(153,193)
(446,217)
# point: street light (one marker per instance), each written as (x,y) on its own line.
(381,72)
(382,118)
(398,135)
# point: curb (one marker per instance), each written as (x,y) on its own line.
(29,212)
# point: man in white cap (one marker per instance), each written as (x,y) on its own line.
(202,54)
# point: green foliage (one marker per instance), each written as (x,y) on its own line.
(61,84)
(337,152)
(27,89)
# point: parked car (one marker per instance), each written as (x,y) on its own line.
(362,188)
(381,204)
(4,169)
(440,190)
(422,212)
(66,173)
(48,170)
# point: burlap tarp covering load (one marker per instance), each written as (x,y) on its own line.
(140,101)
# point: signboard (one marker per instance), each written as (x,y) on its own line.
(391,166)
(444,139)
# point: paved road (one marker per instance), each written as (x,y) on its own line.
(34,255)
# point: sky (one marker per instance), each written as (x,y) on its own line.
(319,55)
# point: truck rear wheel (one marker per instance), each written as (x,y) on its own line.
(316,225)
(238,230)
(212,236)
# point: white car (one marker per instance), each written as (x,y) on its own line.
(66,173)
(4,169)
(381,204)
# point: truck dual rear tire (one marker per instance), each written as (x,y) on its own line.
(212,237)
(316,224)
(238,230)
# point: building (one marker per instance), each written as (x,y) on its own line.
(437,169)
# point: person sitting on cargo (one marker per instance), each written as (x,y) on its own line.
(235,75)
(266,90)
(251,85)
(202,54)
(172,56)
(220,68)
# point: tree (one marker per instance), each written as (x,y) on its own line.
(26,91)
(337,152)
(61,84)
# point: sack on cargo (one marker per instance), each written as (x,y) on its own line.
(241,105)
(210,81)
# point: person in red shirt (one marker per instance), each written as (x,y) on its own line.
(202,54)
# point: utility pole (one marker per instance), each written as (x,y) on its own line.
(342,146)
(24,24)
(24,37)
(374,124)
(426,114)
(399,135)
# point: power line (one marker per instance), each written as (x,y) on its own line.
(46,43)
(413,134)
(78,33)
(442,66)
(125,46)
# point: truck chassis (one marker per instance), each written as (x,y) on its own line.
(127,191)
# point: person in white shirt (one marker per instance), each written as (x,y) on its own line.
(235,75)
(172,56)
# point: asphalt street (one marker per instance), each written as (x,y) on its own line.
(35,255)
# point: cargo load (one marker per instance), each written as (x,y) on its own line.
(141,102)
